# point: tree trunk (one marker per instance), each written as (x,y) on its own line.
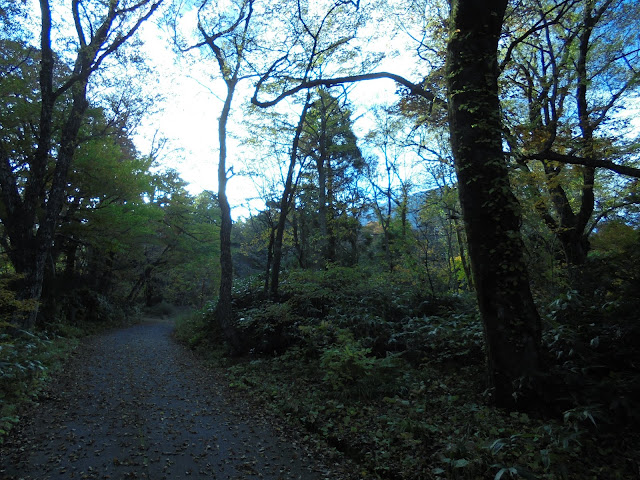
(36,249)
(224,310)
(580,246)
(267,272)
(322,209)
(286,201)
(331,242)
(300,239)
(490,210)
(463,256)
(32,208)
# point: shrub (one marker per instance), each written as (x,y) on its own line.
(26,361)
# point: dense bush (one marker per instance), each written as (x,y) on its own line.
(384,313)
(26,361)
(378,370)
(86,306)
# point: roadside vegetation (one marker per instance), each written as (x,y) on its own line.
(362,363)
(26,363)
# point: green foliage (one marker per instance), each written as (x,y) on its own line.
(199,330)
(27,360)
(10,305)
(592,334)
(385,312)
(346,363)
(84,306)
(191,327)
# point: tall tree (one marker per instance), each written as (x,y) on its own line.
(32,190)
(226,33)
(564,86)
(287,199)
(490,209)
(328,140)
(313,31)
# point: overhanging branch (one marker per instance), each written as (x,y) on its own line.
(584,161)
(329,82)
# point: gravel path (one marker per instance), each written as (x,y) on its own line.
(134,404)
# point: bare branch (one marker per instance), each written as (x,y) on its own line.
(86,66)
(563,8)
(587,162)
(330,82)
(78,23)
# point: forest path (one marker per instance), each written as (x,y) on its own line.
(134,404)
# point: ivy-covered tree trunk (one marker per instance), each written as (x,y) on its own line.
(490,209)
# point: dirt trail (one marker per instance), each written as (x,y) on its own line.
(134,404)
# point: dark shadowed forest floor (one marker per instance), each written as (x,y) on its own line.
(134,404)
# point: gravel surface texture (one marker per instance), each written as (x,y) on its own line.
(134,404)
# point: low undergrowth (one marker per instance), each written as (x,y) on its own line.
(366,366)
(26,362)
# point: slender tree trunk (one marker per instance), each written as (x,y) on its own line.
(428,269)
(286,201)
(490,209)
(300,239)
(71,252)
(463,256)
(230,73)
(322,208)
(331,242)
(451,256)
(580,246)
(386,227)
(321,167)
(385,223)
(224,311)
(267,273)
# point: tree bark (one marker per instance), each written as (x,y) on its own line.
(229,64)
(490,210)
(322,200)
(286,201)
(267,270)
(224,311)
